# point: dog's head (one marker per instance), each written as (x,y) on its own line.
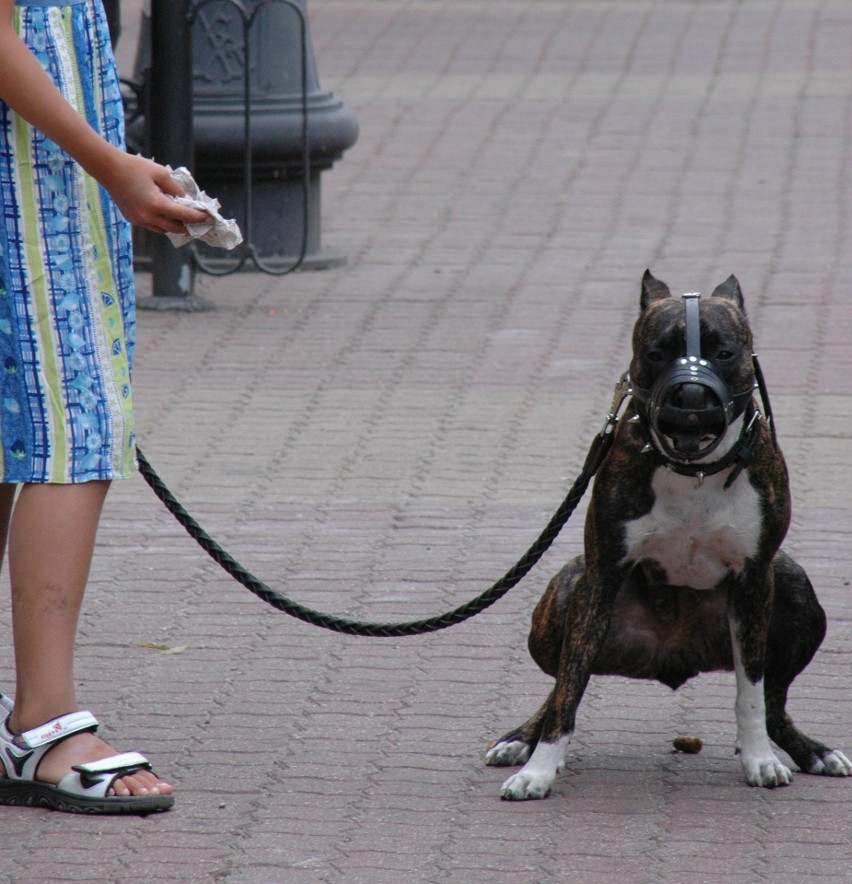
(692,371)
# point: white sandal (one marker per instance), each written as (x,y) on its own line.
(85,788)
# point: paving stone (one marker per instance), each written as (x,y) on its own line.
(384,439)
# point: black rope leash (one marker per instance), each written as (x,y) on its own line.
(597,452)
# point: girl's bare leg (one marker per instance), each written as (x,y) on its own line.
(51,541)
(7,499)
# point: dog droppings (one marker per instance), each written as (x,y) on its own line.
(688,745)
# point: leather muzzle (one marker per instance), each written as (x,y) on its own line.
(689,406)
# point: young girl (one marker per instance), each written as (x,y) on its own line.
(67,192)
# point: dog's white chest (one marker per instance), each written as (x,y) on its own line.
(698,533)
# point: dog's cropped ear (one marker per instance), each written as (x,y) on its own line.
(652,290)
(731,290)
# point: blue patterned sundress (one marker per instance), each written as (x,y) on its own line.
(66,274)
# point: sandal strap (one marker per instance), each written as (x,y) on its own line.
(56,729)
(124,763)
(22,753)
(95,779)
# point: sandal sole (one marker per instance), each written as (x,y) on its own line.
(28,794)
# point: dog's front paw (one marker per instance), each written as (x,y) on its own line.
(766,771)
(523,786)
(832,763)
(505,754)
(536,778)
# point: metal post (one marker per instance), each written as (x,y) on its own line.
(257,98)
(171,143)
(262,128)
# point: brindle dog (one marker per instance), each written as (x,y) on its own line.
(682,571)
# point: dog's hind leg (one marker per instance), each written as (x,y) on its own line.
(515,747)
(810,755)
(796,631)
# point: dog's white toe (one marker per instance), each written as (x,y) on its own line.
(833,764)
(507,754)
(768,772)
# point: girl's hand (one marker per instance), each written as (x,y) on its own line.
(139,188)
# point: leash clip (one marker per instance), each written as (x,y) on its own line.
(621,392)
(754,419)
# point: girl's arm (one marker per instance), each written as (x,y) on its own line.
(137,185)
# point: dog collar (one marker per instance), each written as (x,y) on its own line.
(739,456)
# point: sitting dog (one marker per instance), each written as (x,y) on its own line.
(682,571)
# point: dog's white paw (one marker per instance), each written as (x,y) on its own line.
(524,786)
(536,778)
(506,754)
(766,770)
(833,764)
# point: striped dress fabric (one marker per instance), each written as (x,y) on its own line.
(66,275)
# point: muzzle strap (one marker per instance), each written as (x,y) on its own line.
(693,324)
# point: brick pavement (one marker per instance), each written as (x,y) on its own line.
(382,440)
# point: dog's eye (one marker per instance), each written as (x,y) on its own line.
(725,355)
(655,356)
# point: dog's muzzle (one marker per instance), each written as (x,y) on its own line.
(689,407)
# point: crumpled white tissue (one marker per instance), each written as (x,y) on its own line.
(216,231)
